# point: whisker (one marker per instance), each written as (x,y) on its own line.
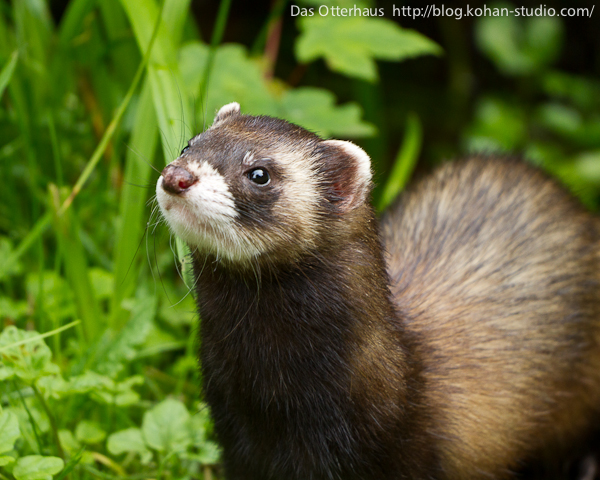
(191,288)
(135,254)
(139,155)
(176,258)
(149,185)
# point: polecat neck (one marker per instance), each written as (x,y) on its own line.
(310,348)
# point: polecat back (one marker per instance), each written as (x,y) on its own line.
(473,354)
(496,269)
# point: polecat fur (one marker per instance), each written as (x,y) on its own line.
(468,350)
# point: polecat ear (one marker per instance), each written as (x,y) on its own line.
(347,170)
(228,110)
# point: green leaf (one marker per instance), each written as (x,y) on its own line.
(119,393)
(33,412)
(6,372)
(129,440)
(53,386)
(122,346)
(200,423)
(405,161)
(37,467)
(5,460)
(87,382)
(68,441)
(569,123)
(350,45)
(208,454)
(165,427)
(315,110)
(8,71)
(9,431)
(234,77)
(29,361)
(517,46)
(56,387)
(101,388)
(498,125)
(544,37)
(560,118)
(587,165)
(208,451)
(583,92)
(89,432)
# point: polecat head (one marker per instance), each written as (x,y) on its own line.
(260,187)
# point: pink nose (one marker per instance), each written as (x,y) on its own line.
(177,179)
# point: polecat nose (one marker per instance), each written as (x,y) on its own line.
(177,179)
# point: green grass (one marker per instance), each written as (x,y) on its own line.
(81,132)
(98,371)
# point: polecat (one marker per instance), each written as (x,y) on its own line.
(469,350)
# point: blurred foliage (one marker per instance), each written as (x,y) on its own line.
(110,386)
(559,127)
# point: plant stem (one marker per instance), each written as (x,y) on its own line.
(53,426)
(207,471)
(31,419)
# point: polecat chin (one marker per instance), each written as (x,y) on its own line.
(470,351)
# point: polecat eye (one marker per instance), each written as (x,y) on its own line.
(184,149)
(259,176)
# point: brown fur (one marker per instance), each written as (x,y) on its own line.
(474,354)
(496,271)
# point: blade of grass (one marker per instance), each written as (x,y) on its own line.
(41,335)
(76,268)
(370,97)
(276,13)
(110,130)
(7,71)
(42,224)
(51,419)
(35,233)
(56,155)
(71,464)
(174,15)
(34,425)
(34,29)
(72,19)
(170,102)
(217,36)
(143,143)
(117,29)
(405,162)
(27,88)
